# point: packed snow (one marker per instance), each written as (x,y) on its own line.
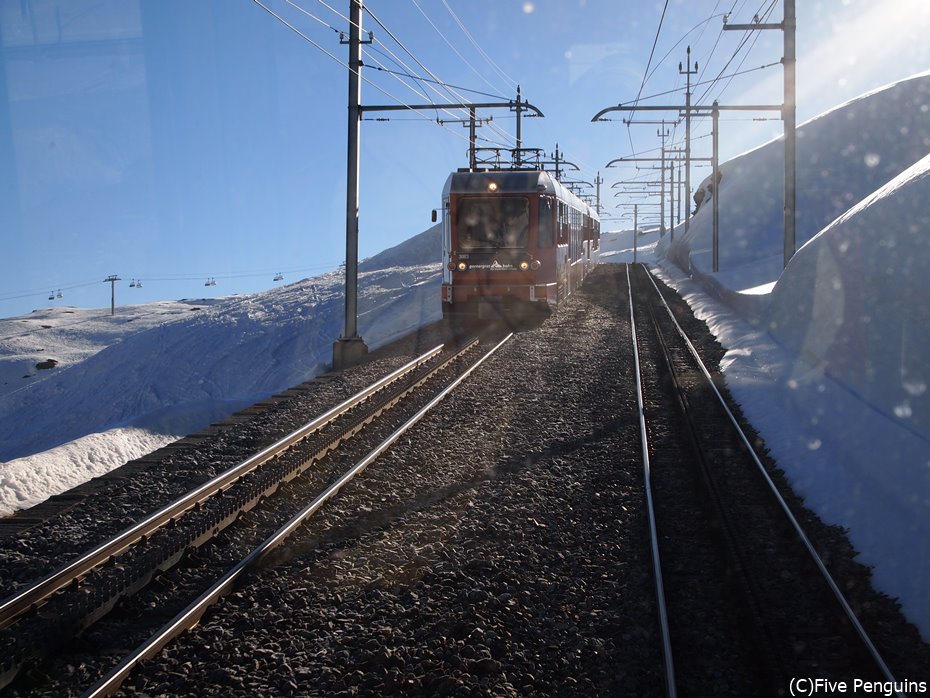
(828,358)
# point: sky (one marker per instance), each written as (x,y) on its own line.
(830,362)
(174,142)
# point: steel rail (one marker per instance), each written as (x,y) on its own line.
(34,594)
(828,578)
(671,689)
(190,616)
(734,553)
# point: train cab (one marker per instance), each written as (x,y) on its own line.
(514,243)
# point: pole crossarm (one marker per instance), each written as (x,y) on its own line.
(459,105)
(751,27)
(609,164)
(693,107)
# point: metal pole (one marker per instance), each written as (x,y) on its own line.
(716,180)
(688,72)
(789,115)
(112,279)
(472,155)
(518,159)
(350,348)
(688,147)
(635,229)
(662,195)
(662,191)
(671,199)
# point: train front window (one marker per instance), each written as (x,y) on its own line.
(544,235)
(493,223)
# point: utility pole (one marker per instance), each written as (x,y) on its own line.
(671,200)
(112,279)
(518,156)
(788,114)
(663,134)
(635,229)
(688,72)
(350,348)
(472,137)
(598,181)
(790,118)
(715,178)
(471,123)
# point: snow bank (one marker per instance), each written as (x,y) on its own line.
(33,479)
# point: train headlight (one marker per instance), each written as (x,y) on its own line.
(524,265)
(535,264)
(462,266)
(492,186)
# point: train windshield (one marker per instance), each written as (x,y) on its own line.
(493,223)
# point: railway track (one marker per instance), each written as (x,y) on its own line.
(745,603)
(44,615)
(500,547)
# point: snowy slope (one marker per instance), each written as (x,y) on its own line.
(843,156)
(150,373)
(855,300)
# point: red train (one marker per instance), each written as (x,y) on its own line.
(515,243)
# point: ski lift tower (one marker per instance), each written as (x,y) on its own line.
(112,279)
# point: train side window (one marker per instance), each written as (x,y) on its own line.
(544,231)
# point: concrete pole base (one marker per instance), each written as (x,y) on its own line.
(348,351)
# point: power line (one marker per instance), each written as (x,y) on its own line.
(411,73)
(702,23)
(346,66)
(300,33)
(450,45)
(447,87)
(409,52)
(642,84)
(311,15)
(507,79)
(456,87)
(751,46)
(746,36)
(394,73)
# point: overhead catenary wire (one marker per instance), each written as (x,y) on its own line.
(496,68)
(763,18)
(451,90)
(642,84)
(421,79)
(743,41)
(311,15)
(450,45)
(396,99)
(448,87)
